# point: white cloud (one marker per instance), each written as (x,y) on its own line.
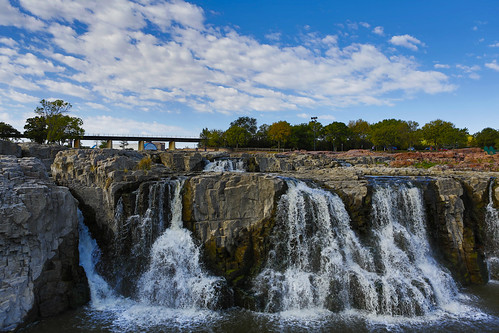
(112,125)
(407,41)
(440,66)
(379,31)
(494,45)
(365,25)
(274,36)
(20,97)
(144,54)
(8,41)
(13,16)
(493,65)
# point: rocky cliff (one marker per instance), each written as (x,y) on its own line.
(39,270)
(232,213)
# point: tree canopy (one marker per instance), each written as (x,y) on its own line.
(386,134)
(52,125)
(279,132)
(7,131)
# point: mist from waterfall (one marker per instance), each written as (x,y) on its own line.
(318,261)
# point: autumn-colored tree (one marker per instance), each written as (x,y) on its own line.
(279,132)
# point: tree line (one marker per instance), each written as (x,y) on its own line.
(50,125)
(387,134)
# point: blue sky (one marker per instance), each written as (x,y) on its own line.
(175,67)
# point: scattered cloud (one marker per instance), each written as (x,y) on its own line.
(148,54)
(113,125)
(379,31)
(493,65)
(441,66)
(407,41)
(494,45)
(470,71)
(274,36)
(365,25)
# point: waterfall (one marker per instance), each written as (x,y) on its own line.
(173,279)
(492,229)
(318,262)
(225,164)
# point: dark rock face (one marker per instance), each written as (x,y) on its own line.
(39,245)
(232,214)
(9,148)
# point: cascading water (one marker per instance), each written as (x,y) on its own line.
(319,262)
(492,225)
(225,164)
(174,279)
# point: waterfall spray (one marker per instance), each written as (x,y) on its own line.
(319,262)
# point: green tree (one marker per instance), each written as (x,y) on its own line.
(52,125)
(211,138)
(36,129)
(261,138)
(443,133)
(279,132)
(390,133)
(7,131)
(302,137)
(360,133)
(237,136)
(487,137)
(249,124)
(338,134)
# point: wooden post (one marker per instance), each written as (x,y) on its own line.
(141,145)
(171,145)
(109,144)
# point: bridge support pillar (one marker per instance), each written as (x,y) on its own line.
(141,145)
(109,144)
(76,143)
(171,145)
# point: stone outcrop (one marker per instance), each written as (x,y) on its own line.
(39,270)
(9,148)
(44,152)
(232,213)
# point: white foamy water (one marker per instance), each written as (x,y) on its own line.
(492,225)
(174,289)
(320,275)
(226,164)
(318,262)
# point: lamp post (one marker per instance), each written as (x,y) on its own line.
(314,121)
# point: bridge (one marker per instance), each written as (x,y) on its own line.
(141,140)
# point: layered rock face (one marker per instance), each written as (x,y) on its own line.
(232,214)
(39,270)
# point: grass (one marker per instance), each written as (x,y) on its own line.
(145,163)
